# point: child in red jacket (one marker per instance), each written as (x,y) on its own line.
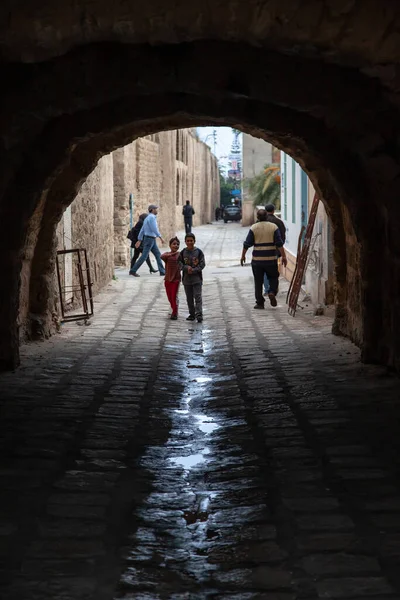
(172,275)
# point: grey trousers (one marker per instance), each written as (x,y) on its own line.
(194,299)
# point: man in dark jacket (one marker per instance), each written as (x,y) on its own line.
(188,213)
(270,208)
(133,236)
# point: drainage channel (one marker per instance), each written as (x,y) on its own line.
(168,553)
(204,529)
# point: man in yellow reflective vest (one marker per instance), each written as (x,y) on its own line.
(265,238)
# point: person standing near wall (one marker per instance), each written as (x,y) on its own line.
(270,208)
(188,212)
(148,235)
(265,239)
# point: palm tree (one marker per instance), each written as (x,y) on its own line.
(265,188)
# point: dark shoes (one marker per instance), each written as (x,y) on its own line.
(199,319)
(161,274)
(190,318)
(174,317)
(134,274)
(153,271)
(259,306)
(272,299)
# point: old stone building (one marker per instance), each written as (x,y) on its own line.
(318,80)
(256,153)
(165,168)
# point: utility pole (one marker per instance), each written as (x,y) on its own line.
(235,159)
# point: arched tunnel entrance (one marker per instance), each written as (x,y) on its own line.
(240,457)
(340,128)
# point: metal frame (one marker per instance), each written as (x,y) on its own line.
(302,260)
(84,287)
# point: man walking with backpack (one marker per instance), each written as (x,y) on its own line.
(133,236)
(148,237)
(188,213)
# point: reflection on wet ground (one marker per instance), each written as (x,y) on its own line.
(206,508)
(175,516)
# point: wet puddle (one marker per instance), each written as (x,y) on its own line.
(180,503)
(188,462)
(202,379)
(206,424)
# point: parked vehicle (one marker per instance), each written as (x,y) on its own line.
(232,213)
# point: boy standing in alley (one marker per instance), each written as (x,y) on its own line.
(172,275)
(192,263)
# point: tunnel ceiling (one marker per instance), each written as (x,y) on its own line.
(357,32)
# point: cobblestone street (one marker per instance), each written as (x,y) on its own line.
(250,457)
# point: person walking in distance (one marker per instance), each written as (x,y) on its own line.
(172,275)
(192,263)
(133,236)
(148,235)
(188,212)
(270,208)
(265,238)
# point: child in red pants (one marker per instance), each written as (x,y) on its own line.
(172,275)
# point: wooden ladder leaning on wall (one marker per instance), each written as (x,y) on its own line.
(302,260)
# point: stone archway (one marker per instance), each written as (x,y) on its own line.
(330,111)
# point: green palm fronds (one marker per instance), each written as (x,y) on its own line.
(265,187)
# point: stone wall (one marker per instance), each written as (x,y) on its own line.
(349,284)
(319,279)
(88,223)
(92,222)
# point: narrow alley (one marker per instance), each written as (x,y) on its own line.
(250,457)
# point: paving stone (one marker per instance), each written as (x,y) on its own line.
(311,504)
(79,512)
(352,587)
(325,522)
(67,548)
(340,564)
(387,522)
(264,578)
(327,541)
(82,498)
(257,553)
(73,528)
